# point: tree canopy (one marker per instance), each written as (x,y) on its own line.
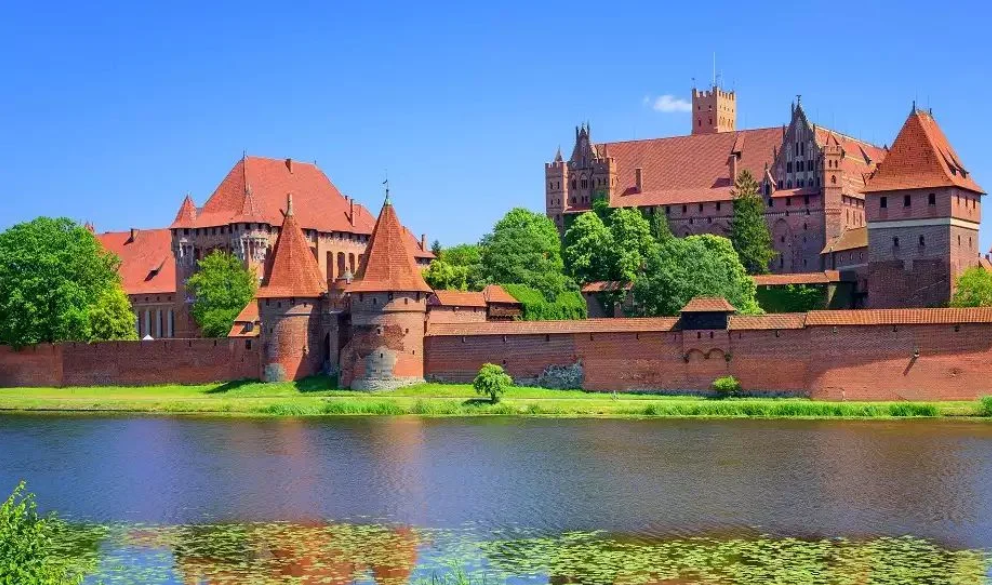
(220,289)
(683,268)
(588,249)
(974,288)
(748,229)
(524,248)
(54,278)
(111,317)
(455,268)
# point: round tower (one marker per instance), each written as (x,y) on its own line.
(388,301)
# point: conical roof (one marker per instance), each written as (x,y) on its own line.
(921,157)
(388,264)
(294,271)
(186,218)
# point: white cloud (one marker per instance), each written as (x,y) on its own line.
(670,104)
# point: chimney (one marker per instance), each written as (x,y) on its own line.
(289,204)
(134,234)
(289,165)
(351,211)
(639,179)
(733,167)
(423,242)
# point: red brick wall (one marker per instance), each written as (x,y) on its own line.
(293,342)
(849,363)
(131,363)
(456,314)
(386,348)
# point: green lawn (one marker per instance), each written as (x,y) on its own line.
(316,396)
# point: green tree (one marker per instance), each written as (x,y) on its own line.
(492,381)
(436,249)
(683,268)
(632,243)
(442,275)
(974,288)
(111,317)
(51,272)
(748,229)
(524,248)
(660,229)
(220,289)
(588,249)
(28,553)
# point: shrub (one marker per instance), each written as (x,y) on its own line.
(727,386)
(985,409)
(28,544)
(492,381)
(567,305)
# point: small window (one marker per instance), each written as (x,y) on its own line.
(685,209)
(718,206)
(895,242)
(883,202)
(700,207)
(788,201)
(932,199)
(922,241)
(907,200)
(668,209)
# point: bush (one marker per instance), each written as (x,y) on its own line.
(566,306)
(492,381)
(28,544)
(985,409)
(727,386)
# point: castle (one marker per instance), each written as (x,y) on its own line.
(899,223)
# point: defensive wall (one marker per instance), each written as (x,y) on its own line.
(131,363)
(918,354)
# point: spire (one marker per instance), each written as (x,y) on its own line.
(558,155)
(186,218)
(294,272)
(388,264)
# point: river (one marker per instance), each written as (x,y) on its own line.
(462,488)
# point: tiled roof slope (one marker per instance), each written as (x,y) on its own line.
(606,285)
(899,317)
(860,158)
(388,263)
(849,239)
(690,168)
(248,315)
(825,277)
(921,157)
(255,191)
(147,263)
(708,305)
(496,294)
(644,325)
(767,322)
(294,272)
(458,298)
(186,218)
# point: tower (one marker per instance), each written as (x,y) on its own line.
(290,307)
(923,210)
(556,190)
(388,300)
(184,252)
(713,111)
(833,188)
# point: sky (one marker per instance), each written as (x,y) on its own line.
(110,113)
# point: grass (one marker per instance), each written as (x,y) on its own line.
(320,396)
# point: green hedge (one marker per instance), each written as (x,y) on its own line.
(792,298)
(568,305)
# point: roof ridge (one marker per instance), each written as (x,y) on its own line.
(655,139)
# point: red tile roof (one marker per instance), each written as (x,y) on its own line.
(899,317)
(294,271)
(496,294)
(644,325)
(147,263)
(687,169)
(388,263)
(860,158)
(708,305)
(248,316)
(186,218)
(824,277)
(849,239)
(767,322)
(458,298)
(921,157)
(605,285)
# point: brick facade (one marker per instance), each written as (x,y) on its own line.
(386,348)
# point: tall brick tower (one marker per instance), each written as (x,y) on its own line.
(290,303)
(388,308)
(713,111)
(556,189)
(185,253)
(833,188)
(923,210)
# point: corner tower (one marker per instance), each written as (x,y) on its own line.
(290,307)
(713,111)
(923,209)
(388,300)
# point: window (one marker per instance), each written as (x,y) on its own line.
(771,202)
(883,202)
(788,201)
(684,209)
(700,208)
(907,200)
(718,206)
(932,199)
(922,241)
(895,242)
(668,209)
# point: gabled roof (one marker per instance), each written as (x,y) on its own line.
(708,305)
(186,218)
(244,323)
(294,271)
(496,294)
(683,169)
(860,158)
(147,263)
(849,239)
(921,157)
(458,298)
(388,264)
(825,277)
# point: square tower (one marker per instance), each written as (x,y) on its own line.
(713,111)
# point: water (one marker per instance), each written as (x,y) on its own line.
(454,487)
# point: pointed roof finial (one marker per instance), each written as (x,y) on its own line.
(385,184)
(289,204)
(558,157)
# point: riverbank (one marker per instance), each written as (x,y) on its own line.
(318,396)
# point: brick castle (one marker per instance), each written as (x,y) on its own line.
(342,292)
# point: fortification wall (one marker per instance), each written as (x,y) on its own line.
(131,363)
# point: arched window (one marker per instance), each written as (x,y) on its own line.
(351,262)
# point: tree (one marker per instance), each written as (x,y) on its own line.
(51,273)
(632,243)
(111,317)
(660,229)
(492,381)
(441,275)
(974,288)
(28,547)
(748,229)
(683,268)
(524,248)
(436,249)
(456,268)
(220,289)
(588,248)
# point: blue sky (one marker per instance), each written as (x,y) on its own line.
(110,113)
